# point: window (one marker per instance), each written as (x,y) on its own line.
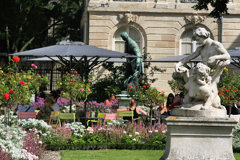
(187,45)
(132,32)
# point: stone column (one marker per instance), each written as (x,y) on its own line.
(199,138)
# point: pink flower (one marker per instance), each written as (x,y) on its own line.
(136,133)
(34,65)
(81,89)
(134,139)
(89,90)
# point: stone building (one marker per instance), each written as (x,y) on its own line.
(162,28)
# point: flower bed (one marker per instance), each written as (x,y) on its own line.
(112,136)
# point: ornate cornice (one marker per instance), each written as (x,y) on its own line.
(194,19)
(127,18)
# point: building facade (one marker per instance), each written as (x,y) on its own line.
(162,28)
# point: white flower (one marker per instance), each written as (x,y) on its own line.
(40,142)
(164,131)
(134,139)
(150,131)
(124,132)
(130,135)
(136,133)
(156,131)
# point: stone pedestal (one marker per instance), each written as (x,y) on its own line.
(199,138)
(123,99)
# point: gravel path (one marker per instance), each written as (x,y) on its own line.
(51,155)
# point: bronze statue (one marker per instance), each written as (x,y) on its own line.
(134,66)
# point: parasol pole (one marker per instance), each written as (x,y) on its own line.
(71,89)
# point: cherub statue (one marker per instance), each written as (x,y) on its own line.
(200,83)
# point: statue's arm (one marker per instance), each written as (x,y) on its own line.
(221,54)
(179,65)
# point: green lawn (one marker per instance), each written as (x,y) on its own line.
(116,155)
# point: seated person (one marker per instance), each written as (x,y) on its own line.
(55,95)
(163,113)
(132,107)
(46,110)
(111,100)
(176,102)
(170,99)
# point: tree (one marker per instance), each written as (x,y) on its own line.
(219,7)
(27,23)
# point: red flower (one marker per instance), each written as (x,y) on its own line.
(22,83)
(221,91)
(226,90)
(144,86)
(130,86)
(79,75)
(227,98)
(10,74)
(235,90)
(81,81)
(73,80)
(219,94)
(6,96)
(10,91)
(137,87)
(75,71)
(16,59)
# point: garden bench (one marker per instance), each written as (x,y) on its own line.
(125,114)
(26,115)
(98,121)
(108,117)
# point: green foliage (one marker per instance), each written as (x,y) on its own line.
(104,87)
(146,95)
(112,154)
(19,85)
(25,24)
(95,138)
(229,87)
(158,140)
(219,7)
(73,87)
(176,86)
(128,140)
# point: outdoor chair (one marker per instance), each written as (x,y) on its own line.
(126,114)
(65,116)
(54,118)
(108,117)
(98,121)
(26,115)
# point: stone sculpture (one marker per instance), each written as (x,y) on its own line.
(134,66)
(200,83)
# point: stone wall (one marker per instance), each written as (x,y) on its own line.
(161,25)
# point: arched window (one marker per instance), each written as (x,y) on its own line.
(119,44)
(187,45)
